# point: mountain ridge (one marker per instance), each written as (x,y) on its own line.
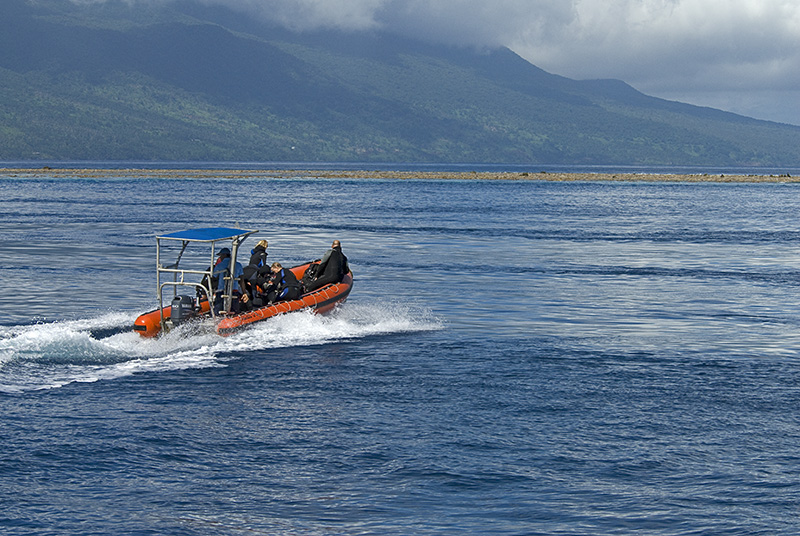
(189,82)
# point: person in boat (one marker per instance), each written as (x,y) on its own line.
(222,269)
(257,272)
(282,285)
(258,255)
(331,269)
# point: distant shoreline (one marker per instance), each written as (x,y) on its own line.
(383,174)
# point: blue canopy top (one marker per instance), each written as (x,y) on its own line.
(207,234)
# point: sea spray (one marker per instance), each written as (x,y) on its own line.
(46,356)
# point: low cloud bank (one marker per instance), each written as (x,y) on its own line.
(732,54)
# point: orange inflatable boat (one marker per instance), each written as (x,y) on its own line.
(185,307)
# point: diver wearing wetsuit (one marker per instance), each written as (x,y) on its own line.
(283,284)
(332,268)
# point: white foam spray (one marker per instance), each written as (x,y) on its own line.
(47,356)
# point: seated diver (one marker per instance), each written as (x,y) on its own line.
(332,268)
(282,285)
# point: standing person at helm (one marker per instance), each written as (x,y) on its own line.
(222,271)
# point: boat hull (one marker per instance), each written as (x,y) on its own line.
(322,300)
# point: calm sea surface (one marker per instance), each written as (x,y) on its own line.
(516,358)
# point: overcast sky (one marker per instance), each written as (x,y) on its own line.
(737,55)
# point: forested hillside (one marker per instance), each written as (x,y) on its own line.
(117,82)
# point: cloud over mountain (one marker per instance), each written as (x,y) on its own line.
(733,54)
(711,51)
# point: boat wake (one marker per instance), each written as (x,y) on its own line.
(48,356)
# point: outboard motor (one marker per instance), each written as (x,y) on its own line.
(182,308)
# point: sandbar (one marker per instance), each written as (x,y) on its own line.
(47,172)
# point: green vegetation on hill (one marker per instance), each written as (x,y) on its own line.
(110,82)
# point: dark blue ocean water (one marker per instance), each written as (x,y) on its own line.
(516,358)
